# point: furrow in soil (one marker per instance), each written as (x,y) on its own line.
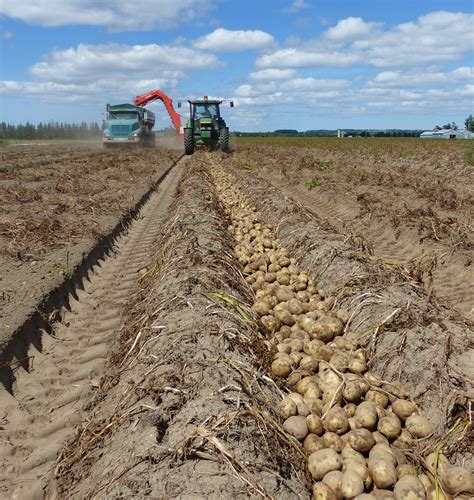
(47,400)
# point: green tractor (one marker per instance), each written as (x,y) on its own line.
(205,127)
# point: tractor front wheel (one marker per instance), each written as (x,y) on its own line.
(224,139)
(188,141)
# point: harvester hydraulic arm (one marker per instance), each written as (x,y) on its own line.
(144,99)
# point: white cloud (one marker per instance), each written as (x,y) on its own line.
(352,28)
(7,35)
(87,63)
(222,40)
(114,14)
(273,74)
(434,38)
(302,58)
(401,79)
(91,92)
(296,6)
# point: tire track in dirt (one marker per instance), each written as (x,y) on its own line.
(452,278)
(46,401)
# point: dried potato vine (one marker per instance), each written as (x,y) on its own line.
(353,430)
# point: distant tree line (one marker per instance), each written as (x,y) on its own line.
(51,130)
(333,133)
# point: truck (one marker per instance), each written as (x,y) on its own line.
(128,125)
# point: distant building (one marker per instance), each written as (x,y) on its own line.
(447,134)
(340,133)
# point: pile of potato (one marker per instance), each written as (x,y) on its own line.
(356,428)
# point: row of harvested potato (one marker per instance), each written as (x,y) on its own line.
(356,428)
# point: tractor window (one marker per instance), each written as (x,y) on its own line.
(122,115)
(206,111)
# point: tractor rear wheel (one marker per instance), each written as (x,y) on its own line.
(188,141)
(224,139)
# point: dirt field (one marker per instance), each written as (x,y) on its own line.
(405,203)
(58,200)
(270,322)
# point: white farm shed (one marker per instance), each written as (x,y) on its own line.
(447,134)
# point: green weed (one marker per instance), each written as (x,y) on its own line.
(320,165)
(314,182)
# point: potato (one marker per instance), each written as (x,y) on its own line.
(295,377)
(458,480)
(381,493)
(404,440)
(315,424)
(361,440)
(333,441)
(365,496)
(379,398)
(352,392)
(322,491)
(302,296)
(343,315)
(328,380)
(443,463)
(356,365)
(323,461)
(326,328)
(313,443)
(295,306)
(309,364)
(384,452)
(418,426)
(297,398)
(296,426)
(284,294)
(351,484)
(382,471)
(350,409)
(270,323)
(299,334)
(304,383)
(348,453)
(336,421)
(333,479)
(284,317)
(284,347)
(315,405)
(405,470)
(390,426)
(360,468)
(287,408)
(366,415)
(379,438)
(281,367)
(296,344)
(296,357)
(409,488)
(261,308)
(339,361)
(303,409)
(403,408)
(313,392)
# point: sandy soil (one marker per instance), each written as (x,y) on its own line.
(57,200)
(162,369)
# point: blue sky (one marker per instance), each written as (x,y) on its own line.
(303,64)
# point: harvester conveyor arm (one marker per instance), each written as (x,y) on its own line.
(144,99)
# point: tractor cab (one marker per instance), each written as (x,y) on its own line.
(205,126)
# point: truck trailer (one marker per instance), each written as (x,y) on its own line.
(128,125)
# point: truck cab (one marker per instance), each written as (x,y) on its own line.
(128,125)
